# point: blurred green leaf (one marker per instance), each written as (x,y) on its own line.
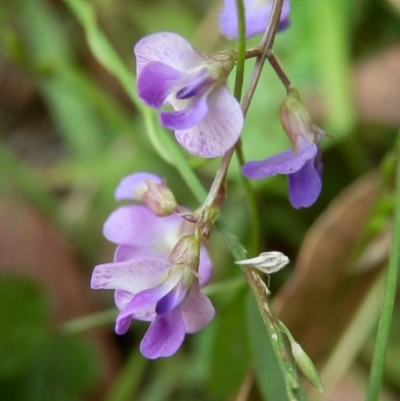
(268,374)
(35,364)
(230,359)
(24,322)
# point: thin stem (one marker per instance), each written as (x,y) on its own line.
(266,44)
(89,322)
(389,296)
(277,66)
(254,52)
(240,62)
(242,54)
(252,203)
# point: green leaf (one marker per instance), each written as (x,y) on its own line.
(231,355)
(267,370)
(24,322)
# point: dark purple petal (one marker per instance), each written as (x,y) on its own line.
(132,276)
(197,85)
(133,186)
(257,16)
(156,82)
(145,233)
(305,186)
(164,336)
(167,48)
(173,299)
(192,115)
(284,163)
(122,325)
(143,304)
(219,130)
(197,310)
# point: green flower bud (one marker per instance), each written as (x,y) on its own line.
(159,199)
(297,122)
(306,366)
(187,252)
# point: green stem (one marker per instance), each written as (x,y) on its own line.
(240,66)
(252,204)
(89,322)
(382,339)
(240,61)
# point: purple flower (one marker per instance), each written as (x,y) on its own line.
(304,171)
(302,165)
(155,290)
(258,13)
(207,119)
(148,286)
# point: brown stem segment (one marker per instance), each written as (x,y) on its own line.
(277,66)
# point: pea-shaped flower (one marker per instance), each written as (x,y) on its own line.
(303,164)
(152,282)
(207,119)
(257,15)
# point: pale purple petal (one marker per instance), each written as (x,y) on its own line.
(133,186)
(122,298)
(284,163)
(219,130)
(205,267)
(164,336)
(167,48)
(305,186)
(156,82)
(173,299)
(197,310)
(146,233)
(126,252)
(257,14)
(131,276)
(188,117)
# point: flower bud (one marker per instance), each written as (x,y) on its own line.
(159,199)
(297,122)
(267,262)
(306,365)
(187,252)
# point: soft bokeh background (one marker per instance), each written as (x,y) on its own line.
(70,131)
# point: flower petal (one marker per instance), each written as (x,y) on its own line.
(219,130)
(197,310)
(143,304)
(192,115)
(283,163)
(305,186)
(133,186)
(146,233)
(205,267)
(167,48)
(132,276)
(164,336)
(122,298)
(173,299)
(122,325)
(257,16)
(156,82)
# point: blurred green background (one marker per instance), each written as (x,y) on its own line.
(71,127)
